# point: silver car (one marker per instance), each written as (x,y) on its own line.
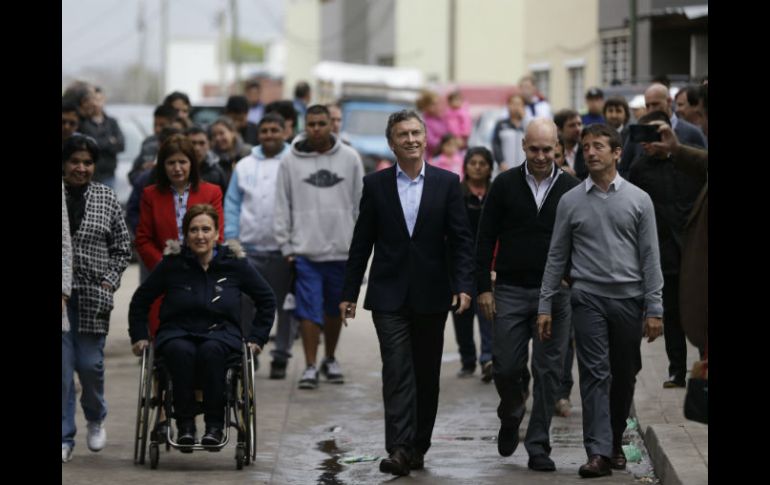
(135,121)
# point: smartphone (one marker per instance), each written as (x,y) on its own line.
(643,133)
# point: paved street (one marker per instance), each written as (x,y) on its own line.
(302,434)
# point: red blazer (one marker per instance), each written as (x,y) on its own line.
(157,219)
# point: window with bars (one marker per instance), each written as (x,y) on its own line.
(616,60)
(542,82)
(576,87)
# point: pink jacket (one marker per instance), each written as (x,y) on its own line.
(458,121)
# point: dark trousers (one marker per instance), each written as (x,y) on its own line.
(411,346)
(515,325)
(673,334)
(277,272)
(608,336)
(463,324)
(191,361)
(565,386)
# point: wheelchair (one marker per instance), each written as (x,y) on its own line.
(155,393)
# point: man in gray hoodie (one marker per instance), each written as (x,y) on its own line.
(318,189)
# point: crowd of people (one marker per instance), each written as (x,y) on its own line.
(588,239)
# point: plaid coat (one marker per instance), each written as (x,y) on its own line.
(101,250)
(66,259)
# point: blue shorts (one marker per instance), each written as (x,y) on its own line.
(318,289)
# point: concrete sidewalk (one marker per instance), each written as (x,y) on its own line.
(302,435)
(678,447)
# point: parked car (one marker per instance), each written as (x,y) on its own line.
(363,126)
(207,111)
(135,121)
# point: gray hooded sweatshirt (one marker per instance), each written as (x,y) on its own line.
(317,199)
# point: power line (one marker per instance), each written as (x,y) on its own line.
(104,48)
(90,24)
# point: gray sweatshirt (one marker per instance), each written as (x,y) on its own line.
(612,245)
(317,199)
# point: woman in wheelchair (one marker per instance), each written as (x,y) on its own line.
(200,318)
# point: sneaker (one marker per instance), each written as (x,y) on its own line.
(309,378)
(486,372)
(674,382)
(331,369)
(66,453)
(97,436)
(277,370)
(563,408)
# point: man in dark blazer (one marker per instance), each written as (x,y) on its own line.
(413,215)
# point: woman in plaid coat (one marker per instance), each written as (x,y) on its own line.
(101,249)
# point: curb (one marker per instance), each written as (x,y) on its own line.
(674,457)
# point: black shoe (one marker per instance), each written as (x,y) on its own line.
(277,370)
(674,382)
(185,434)
(541,463)
(396,464)
(486,371)
(597,466)
(213,436)
(507,440)
(466,371)
(618,459)
(417,461)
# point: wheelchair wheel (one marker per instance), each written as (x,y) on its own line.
(240,456)
(249,406)
(154,455)
(144,404)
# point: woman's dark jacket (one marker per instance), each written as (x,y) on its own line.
(202,303)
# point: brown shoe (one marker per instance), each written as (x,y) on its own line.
(597,466)
(396,464)
(618,459)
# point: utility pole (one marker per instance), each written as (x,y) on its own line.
(163,47)
(451,46)
(235,49)
(222,53)
(140,67)
(632,23)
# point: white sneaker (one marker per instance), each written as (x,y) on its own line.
(66,453)
(331,369)
(97,436)
(309,378)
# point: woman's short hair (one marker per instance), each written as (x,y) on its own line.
(78,142)
(199,210)
(176,144)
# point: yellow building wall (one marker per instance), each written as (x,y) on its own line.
(490,41)
(560,31)
(422,37)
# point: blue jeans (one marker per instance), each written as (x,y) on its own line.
(83,353)
(464,336)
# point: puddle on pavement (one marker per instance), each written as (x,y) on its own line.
(331,466)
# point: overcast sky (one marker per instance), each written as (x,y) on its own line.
(104,33)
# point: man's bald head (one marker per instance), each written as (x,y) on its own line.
(542,127)
(656,98)
(539,144)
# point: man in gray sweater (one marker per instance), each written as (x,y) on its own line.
(605,228)
(318,188)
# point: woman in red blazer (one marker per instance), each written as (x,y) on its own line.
(164,204)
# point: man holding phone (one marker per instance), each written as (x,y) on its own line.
(673,193)
(657,98)
(414,217)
